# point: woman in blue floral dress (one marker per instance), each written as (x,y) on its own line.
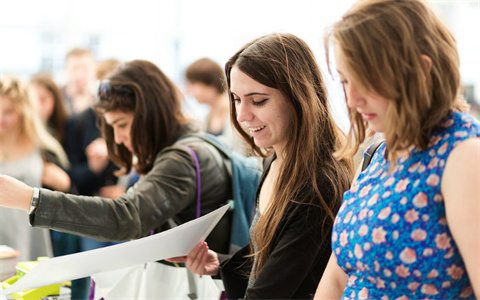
(409,227)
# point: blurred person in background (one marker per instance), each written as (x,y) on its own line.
(206,83)
(31,154)
(50,104)
(80,71)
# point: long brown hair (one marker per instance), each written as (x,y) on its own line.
(286,63)
(142,88)
(384,44)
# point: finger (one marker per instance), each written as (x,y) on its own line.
(196,258)
(178,259)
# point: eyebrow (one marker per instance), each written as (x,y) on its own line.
(253,94)
(116,121)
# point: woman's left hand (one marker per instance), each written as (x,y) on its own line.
(14,193)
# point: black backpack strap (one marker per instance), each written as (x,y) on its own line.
(369,154)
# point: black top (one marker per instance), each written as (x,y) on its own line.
(300,251)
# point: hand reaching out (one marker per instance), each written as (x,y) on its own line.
(200,260)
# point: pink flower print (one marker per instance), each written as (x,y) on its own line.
(352,234)
(380,283)
(389,255)
(403,201)
(408,256)
(389,182)
(449,253)
(448,123)
(371,280)
(363,294)
(348,217)
(385,297)
(434,140)
(414,167)
(433,274)
(343,238)
(466,292)
(393,285)
(358,251)
(417,273)
(442,163)
(438,198)
(348,265)
(442,241)
(425,217)
(367,246)
(363,230)
(365,190)
(378,235)
(395,234)
(421,169)
(376,266)
(420,200)
(337,251)
(411,216)
(372,200)
(433,163)
(363,203)
(395,218)
(370,213)
(384,213)
(377,174)
(418,235)
(413,286)
(363,214)
(355,187)
(415,184)
(354,219)
(443,149)
(387,272)
(360,266)
(446,284)
(431,152)
(433,180)
(350,254)
(334,236)
(386,194)
(402,271)
(351,280)
(429,289)
(460,134)
(427,252)
(402,185)
(455,272)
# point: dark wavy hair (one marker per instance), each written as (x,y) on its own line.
(285,62)
(156,104)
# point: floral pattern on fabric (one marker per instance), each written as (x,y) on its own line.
(391,234)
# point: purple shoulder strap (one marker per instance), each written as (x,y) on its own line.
(198,180)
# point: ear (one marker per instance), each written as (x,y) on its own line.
(427,63)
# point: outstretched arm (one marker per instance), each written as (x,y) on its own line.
(14,193)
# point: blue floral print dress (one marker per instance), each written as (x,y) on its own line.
(391,235)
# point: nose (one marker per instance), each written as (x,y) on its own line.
(243,112)
(117,137)
(354,96)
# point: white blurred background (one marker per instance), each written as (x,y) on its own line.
(35,35)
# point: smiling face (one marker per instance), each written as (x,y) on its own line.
(121,123)
(371,106)
(264,111)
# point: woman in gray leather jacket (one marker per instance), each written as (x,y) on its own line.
(143,126)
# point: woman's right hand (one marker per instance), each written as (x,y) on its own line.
(200,260)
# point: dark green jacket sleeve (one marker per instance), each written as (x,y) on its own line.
(168,190)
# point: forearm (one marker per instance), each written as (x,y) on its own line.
(14,193)
(333,282)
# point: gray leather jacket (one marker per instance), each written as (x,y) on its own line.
(167,191)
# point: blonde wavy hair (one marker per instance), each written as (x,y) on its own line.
(385,44)
(31,125)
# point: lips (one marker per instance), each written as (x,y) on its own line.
(368,117)
(256,129)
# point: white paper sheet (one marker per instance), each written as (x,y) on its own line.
(177,241)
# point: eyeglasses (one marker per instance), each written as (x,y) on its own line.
(106,89)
